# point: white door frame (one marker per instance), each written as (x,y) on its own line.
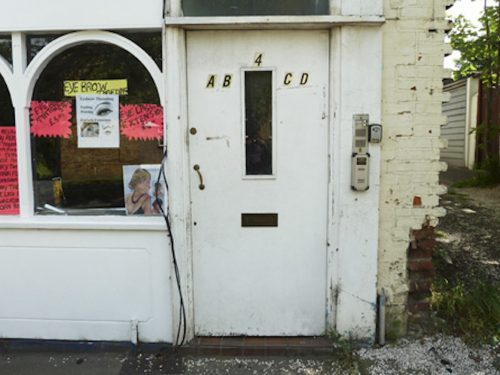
(353,218)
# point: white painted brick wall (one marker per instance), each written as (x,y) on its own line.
(412,94)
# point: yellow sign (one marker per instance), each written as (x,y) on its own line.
(113,86)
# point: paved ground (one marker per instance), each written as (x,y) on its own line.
(469,234)
(455,174)
(126,361)
(487,197)
(429,356)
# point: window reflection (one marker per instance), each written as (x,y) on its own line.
(6,109)
(258,122)
(150,42)
(37,42)
(254,7)
(6,47)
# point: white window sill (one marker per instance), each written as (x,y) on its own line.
(84,223)
(268,22)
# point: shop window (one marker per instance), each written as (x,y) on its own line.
(9,195)
(95,118)
(254,7)
(6,47)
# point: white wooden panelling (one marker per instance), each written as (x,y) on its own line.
(34,15)
(357,76)
(84,285)
(179,205)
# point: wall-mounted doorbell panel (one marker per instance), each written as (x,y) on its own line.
(363,133)
(360,139)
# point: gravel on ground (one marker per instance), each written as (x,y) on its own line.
(469,235)
(430,356)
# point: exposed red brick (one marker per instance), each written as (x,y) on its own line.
(420,265)
(417,201)
(420,253)
(419,306)
(427,244)
(424,233)
(422,275)
(421,269)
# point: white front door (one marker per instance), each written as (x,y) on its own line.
(258,138)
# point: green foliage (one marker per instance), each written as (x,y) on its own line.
(346,355)
(43,172)
(478,45)
(483,127)
(471,311)
(488,176)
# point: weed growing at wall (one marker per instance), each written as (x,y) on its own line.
(470,310)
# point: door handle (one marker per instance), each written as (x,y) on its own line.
(201,186)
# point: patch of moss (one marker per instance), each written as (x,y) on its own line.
(394,330)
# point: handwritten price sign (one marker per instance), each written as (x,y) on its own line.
(51,119)
(141,121)
(9,191)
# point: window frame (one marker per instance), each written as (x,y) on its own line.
(340,14)
(22,77)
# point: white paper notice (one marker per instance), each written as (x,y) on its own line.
(98,122)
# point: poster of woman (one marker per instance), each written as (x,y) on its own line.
(143,193)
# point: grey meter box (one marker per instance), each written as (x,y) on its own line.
(360,169)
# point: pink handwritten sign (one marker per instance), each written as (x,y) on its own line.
(9,190)
(141,121)
(50,119)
